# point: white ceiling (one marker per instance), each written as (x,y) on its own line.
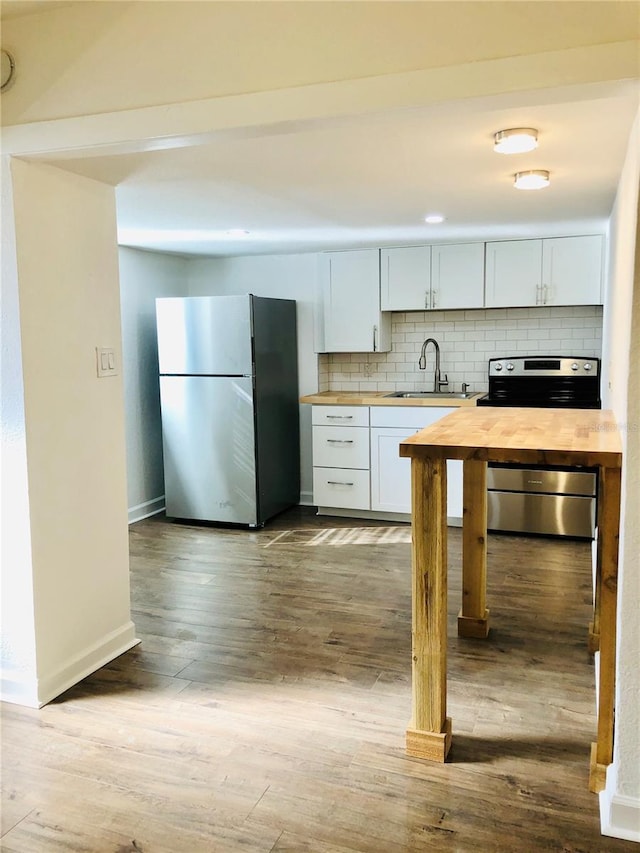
(369,181)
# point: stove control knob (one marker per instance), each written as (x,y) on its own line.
(587,366)
(575,366)
(510,366)
(498,367)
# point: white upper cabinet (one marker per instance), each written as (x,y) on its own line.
(419,278)
(514,274)
(554,271)
(572,271)
(405,278)
(353,321)
(457,276)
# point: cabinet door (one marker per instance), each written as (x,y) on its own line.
(514,274)
(572,271)
(457,276)
(391,473)
(405,278)
(351,294)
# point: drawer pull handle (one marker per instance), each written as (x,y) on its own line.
(339,441)
(338,483)
(341,417)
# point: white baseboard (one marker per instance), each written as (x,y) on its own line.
(19,689)
(306,499)
(38,692)
(146,509)
(375,515)
(619,815)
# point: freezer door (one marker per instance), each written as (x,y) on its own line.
(205,335)
(209,448)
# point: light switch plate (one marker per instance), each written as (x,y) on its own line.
(106,362)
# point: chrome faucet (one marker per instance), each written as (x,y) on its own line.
(422,364)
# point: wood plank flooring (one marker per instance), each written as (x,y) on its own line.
(265,709)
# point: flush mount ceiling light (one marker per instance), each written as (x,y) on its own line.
(516,140)
(534,179)
(434,219)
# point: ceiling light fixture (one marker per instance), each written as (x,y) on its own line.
(236,232)
(534,179)
(516,140)
(434,219)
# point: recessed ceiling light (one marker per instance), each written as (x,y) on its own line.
(236,232)
(534,179)
(516,140)
(434,219)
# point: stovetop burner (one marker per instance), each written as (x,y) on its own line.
(543,382)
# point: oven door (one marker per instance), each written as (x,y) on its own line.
(546,500)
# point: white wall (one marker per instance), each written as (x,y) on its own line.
(19,678)
(74,433)
(620,802)
(143,277)
(283,277)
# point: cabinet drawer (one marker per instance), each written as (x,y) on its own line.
(411,418)
(341,447)
(340,415)
(347,488)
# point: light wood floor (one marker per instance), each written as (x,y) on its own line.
(265,709)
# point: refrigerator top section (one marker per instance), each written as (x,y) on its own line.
(205,335)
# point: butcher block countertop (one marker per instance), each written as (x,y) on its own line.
(377,398)
(531,436)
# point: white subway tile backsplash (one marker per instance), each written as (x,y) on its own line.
(468,339)
(559,335)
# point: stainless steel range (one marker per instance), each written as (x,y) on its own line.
(550,500)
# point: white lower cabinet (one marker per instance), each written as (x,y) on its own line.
(341,457)
(356,461)
(391,473)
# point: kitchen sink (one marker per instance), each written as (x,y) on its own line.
(433,395)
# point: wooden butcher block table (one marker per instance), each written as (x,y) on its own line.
(581,437)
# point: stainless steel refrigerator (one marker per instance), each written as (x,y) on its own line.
(229,402)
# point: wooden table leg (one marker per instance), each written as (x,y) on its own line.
(607,573)
(429,734)
(473,619)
